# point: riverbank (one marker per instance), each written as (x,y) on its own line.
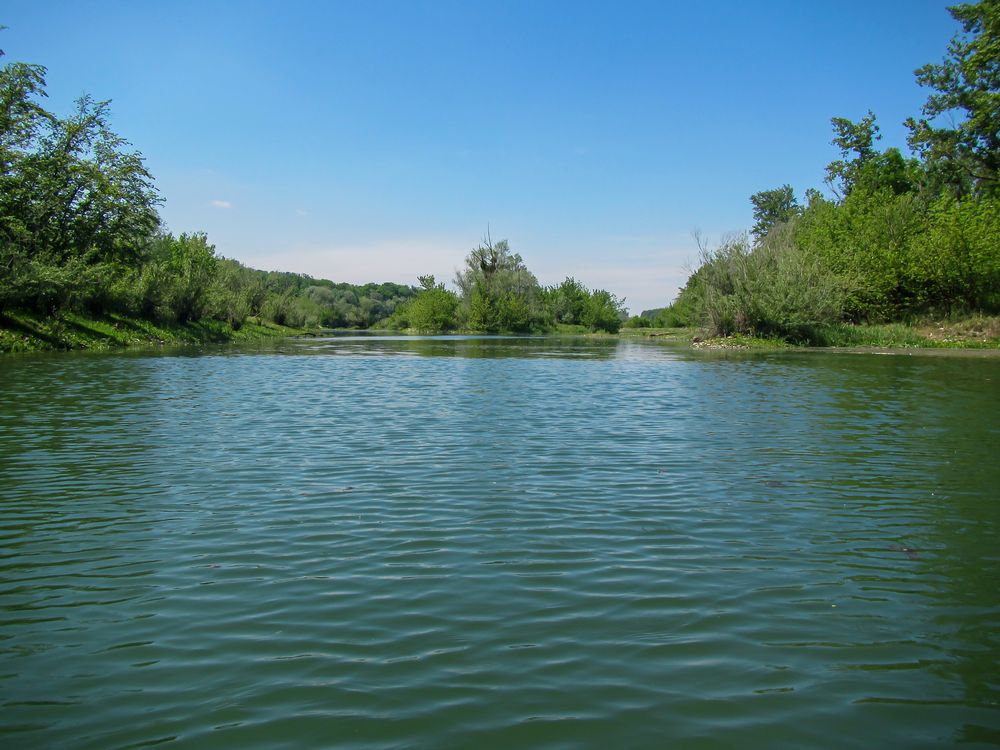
(971,332)
(26,332)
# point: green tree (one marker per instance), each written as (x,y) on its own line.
(771,207)
(866,239)
(964,156)
(604,312)
(856,141)
(77,208)
(498,291)
(434,308)
(193,267)
(567,302)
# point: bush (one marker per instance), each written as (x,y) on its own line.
(433,309)
(956,262)
(773,289)
(498,312)
(603,312)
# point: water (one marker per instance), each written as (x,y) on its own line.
(499,543)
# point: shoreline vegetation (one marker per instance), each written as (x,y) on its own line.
(900,252)
(23,331)
(31,332)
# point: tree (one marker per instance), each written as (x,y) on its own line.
(567,301)
(21,118)
(856,141)
(433,309)
(193,265)
(21,115)
(75,203)
(604,312)
(965,157)
(498,291)
(771,207)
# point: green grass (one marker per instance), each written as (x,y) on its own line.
(885,336)
(972,332)
(662,335)
(965,332)
(741,341)
(24,332)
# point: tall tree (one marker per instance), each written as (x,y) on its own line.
(499,292)
(21,119)
(84,192)
(771,207)
(964,156)
(856,141)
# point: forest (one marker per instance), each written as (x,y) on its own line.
(896,237)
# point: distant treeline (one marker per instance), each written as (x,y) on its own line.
(80,232)
(898,237)
(497,294)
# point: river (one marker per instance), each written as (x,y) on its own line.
(369,542)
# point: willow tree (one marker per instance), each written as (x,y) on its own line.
(498,291)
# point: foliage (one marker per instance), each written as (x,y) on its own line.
(687,310)
(771,207)
(23,331)
(498,292)
(75,203)
(603,312)
(193,266)
(956,260)
(79,234)
(962,151)
(866,240)
(567,302)
(571,303)
(904,256)
(902,236)
(638,321)
(433,309)
(769,289)
(856,141)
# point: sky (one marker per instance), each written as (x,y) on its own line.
(378,140)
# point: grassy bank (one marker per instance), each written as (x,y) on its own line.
(24,332)
(969,332)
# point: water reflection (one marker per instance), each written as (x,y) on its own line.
(473,347)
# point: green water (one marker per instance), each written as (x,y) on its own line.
(499,543)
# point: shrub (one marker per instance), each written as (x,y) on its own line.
(433,309)
(603,312)
(771,289)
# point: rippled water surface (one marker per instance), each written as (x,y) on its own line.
(498,543)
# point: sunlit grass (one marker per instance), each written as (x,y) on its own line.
(22,331)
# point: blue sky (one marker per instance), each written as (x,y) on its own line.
(375,141)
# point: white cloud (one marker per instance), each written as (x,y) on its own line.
(220,204)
